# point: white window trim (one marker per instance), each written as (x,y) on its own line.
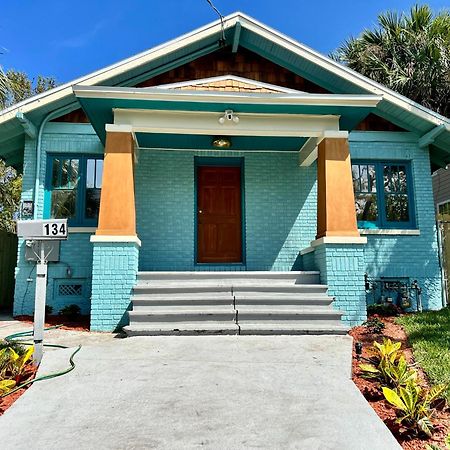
(389,232)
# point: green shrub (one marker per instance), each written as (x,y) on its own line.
(414,405)
(71,311)
(385,310)
(388,365)
(374,325)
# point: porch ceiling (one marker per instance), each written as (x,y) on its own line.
(204,142)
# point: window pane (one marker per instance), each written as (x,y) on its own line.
(372,179)
(366,207)
(65,173)
(90,173)
(397,209)
(99,173)
(364,178)
(92,203)
(355,175)
(63,203)
(402,187)
(389,175)
(74,166)
(56,168)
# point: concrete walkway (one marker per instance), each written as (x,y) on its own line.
(214,392)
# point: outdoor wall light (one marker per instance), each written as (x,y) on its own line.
(229,116)
(221,142)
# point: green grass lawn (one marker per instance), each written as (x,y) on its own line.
(429,336)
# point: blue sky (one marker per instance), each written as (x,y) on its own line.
(66,40)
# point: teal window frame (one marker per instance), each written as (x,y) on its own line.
(382,221)
(80,219)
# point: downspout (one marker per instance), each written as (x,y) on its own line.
(48,117)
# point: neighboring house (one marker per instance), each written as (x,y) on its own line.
(212,155)
(441,190)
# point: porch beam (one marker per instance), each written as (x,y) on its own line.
(207,123)
(237,35)
(28,127)
(117,203)
(335,199)
(428,138)
(308,153)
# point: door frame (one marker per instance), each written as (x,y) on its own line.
(219,161)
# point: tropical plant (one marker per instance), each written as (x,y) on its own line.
(409,53)
(10,190)
(374,325)
(414,405)
(392,374)
(13,365)
(6,386)
(385,351)
(4,86)
(20,349)
(18,86)
(388,365)
(437,447)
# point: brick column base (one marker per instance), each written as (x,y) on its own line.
(114,270)
(342,268)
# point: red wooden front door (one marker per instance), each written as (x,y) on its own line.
(219,237)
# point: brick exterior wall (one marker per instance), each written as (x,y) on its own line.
(279,209)
(342,269)
(115,266)
(280,219)
(414,257)
(76,252)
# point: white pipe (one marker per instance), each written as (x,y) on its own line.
(48,117)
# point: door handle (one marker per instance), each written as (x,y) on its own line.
(200,211)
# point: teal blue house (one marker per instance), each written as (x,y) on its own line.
(236,154)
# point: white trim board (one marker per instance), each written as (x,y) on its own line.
(207,123)
(389,232)
(107,238)
(158,94)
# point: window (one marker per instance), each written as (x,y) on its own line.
(73,188)
(383,195)
(443,211)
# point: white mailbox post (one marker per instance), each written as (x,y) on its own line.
(41,231)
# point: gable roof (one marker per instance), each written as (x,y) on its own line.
(240,30)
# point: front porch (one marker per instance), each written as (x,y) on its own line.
(293,187)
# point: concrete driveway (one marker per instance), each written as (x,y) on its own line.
(214,392)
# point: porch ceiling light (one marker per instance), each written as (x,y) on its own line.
(221,142)
(228,117)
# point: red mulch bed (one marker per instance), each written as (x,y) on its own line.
(7,401)
(81,323)
(375,398)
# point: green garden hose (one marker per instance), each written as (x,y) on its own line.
(15,338)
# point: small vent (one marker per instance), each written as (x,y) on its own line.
(70,290)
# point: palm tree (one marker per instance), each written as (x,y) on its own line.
(409,53)
(4,89)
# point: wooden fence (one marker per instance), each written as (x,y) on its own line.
(8,258)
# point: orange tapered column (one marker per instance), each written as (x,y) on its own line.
(117,207)
(335,198)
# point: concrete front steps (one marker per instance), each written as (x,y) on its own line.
(189,303)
